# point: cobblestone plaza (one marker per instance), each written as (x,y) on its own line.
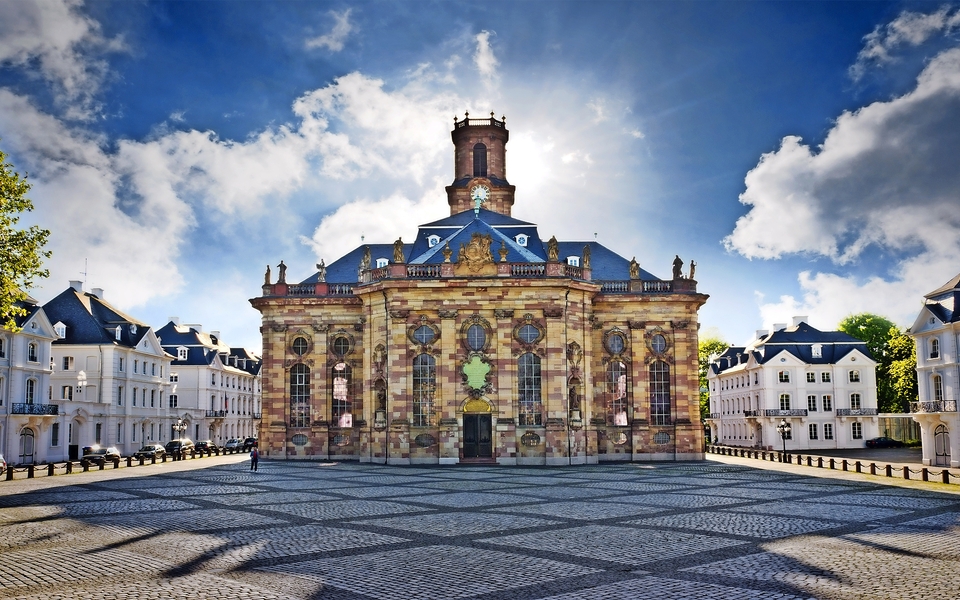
(720,529)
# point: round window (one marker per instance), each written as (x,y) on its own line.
(300,346)
(476,338)
(528,334)
(424,334)
(615,343)
(341,346)
(659,343)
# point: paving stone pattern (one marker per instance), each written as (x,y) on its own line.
(345,531)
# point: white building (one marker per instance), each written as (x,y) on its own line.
(30,424)
(109,376)
(937,335)
(215,388)
(823,383)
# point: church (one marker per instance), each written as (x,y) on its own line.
(481,342)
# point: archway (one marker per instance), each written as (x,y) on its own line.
(27,445)
(941,445)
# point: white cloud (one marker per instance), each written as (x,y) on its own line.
(55,35)
(599,108)
(636,133)
(908,29)
(885,178)
(484,59)
(334,40)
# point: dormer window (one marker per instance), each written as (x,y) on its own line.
(382,262)
(117,332)
(181,353)
(573,261)
(433,240)
(817,350)
(60,329)
(521,240)
(133,329)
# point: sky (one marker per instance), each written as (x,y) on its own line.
(804,154)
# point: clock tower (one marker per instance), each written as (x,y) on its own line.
(480,177)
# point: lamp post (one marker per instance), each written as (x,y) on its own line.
(179,427)
(784,429)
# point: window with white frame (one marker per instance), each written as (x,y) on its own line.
(783,376)
(573,261)
(3,347)
(174,377)
(117,332)
(120,396)
(153,397)
(756,378)
(60,329)
(119,433)
(811,377)
(136,365)
(857,430)
(521,240)
(31,391)
(433,240)
(32,355)
(66,392)
(827,402)
(934,348)
(121,364)
(2,388)
(855,401)
(55,435)
(812,403)
(67,363)
(812,431)
(817,350)
(828,431)
(172,401)
(784,401)
(382,262)
(854,376)
(937,388)
(825,377)
(181,353)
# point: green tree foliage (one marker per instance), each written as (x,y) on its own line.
(707,347)
(21,250)
(902,370)
(879,333)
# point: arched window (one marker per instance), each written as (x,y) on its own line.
(479,160)
(342,406)
(300,346)
(934,348)
(424,386)
(300,396)
(32,352)
(617,388)
(660,393)
(937,388)
(528,389)
(476,338)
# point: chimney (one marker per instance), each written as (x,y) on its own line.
(215,334)
(196,326)
(174,320)
(98,292)
(77,285)
(761,333)
(798,320)
(779,326)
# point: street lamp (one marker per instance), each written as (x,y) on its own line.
(179,427)
(784,429)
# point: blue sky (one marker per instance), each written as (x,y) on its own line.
(803,153)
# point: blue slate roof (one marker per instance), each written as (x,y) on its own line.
(457,229)
(798,341)
(944,302)
(465,181)
(202,348)
(92,320)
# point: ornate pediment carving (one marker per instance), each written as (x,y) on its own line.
(475,257)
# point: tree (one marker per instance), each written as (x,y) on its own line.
(21,250)
(902,371)
(877,332)
(707,347)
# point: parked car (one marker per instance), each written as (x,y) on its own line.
(174,447)
(149,451)
(233,444)
(3,464)
(884,442)
(206,446)
(249,444)
(99,454)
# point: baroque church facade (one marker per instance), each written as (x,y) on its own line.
(481,342)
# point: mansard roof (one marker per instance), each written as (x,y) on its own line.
(944,302)
(459,229)
(92,320)
(798,341)
(203,348)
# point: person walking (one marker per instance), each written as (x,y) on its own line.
(254,458)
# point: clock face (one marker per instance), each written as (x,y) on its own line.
(480,192)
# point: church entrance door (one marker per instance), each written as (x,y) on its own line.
(476,436)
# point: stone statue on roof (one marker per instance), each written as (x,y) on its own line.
(553,250)
(281,272)
(693,268)
(677,267)
(321,271)
(585,263)
(398,252)
(634,268)
(266,276)
(365,260)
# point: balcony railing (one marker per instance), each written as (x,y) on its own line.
(216,414)
(528,270)
(657,286)
(752,413)
(35,409)
(796,412)
(423,271)
(256,415)
(301,290)
(713,416)
(573,272)
(614,287)
(341,289)
(856,412)
(934,407)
